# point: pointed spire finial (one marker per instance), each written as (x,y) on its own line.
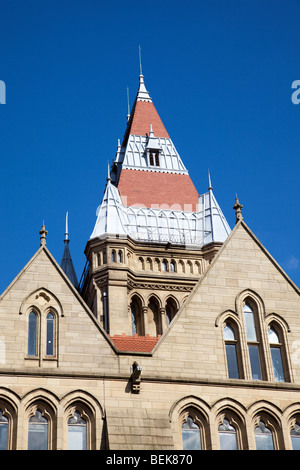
(238,210)
(209,182)
(140,58)
(108,173)
(43,235)
(128,107)
(67,230)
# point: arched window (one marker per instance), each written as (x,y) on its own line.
(141,263)
(253,343)
(137,323)
(77,432)
(190,266)
(38,432)
(113,256)
(3,431)
(120,257)
(149,264)
(276,354)
(170,310)
(263,437)
(32,334)
(190,432)
(227,436)
(133,318)
(172,266)
(154,321)
(181,267)
(295,436)
(164,265)
(50,335)
(231,352)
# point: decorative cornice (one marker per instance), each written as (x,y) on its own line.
(159,286)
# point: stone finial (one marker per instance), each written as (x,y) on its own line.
(43,234)
(238,210)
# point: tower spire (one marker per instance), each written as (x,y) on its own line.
(66,262)
(209,182)
(140,59)
(67,231)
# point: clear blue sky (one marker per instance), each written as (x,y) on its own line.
(220,75)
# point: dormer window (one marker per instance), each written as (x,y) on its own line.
(153,148)
(154,158)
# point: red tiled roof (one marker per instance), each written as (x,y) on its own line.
(154,189)
(144,115)
(135,343)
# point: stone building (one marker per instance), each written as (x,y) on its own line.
(182,333)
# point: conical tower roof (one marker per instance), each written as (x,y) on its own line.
(159,177)
(149,194)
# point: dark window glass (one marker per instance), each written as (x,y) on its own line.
(50,335)
(231,352)
(233,370)
(32,330)
(255,362)
(133,319)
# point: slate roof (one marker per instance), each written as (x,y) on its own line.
(67,265)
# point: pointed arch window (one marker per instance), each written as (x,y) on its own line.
(263,437)
(191,437)
(38,432)
(77,432)
(171,309)
(32,334)
(252,341)
(137,324)
(276,354)
(231,351)
(3,431)
(133,318)
(154,320)
(50,334)
(227,436)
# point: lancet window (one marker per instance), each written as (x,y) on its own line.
(232,350)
